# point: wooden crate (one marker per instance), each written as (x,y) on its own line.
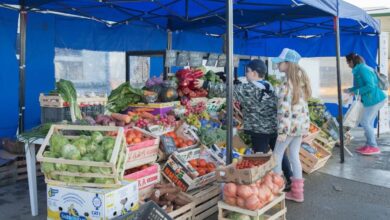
(22,167)
(8,174)
(310,162)
(325,143)
(311,136)
(276,210)
(206,201)
(56,101)
(184,213)
(144,152)
(116,163)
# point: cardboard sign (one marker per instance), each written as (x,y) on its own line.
(168,144)
(196,59)
(182,59)
(170,58)
(212,59)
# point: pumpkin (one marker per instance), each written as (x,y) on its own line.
(168,92)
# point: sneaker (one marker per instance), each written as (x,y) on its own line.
(370,151)
(360,148)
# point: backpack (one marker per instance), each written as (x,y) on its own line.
(383,82)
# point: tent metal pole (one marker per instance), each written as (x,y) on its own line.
(22,64)
(169,47)
(127,66)
(229,74)
(340,116)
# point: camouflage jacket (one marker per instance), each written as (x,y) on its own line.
(258,102)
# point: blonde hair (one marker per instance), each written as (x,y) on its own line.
(300,82)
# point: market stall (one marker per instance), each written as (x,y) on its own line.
(177,135)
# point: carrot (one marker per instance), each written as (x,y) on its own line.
(131,114)
(143,110)
(121,117)
(147,115)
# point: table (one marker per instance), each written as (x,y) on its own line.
(31,173)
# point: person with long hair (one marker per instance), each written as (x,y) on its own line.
(293,118)
(365,84)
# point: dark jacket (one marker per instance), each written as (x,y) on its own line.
(258,102)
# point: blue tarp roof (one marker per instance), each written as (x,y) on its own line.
(263,28)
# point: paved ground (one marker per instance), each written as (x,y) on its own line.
(356,190)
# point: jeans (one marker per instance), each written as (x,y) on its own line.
(367,122)
(263,143)
(294,144)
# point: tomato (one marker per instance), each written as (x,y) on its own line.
(201,171)
(194,163)
(202,163)
(189,143)
(137,140)
(144,167)
(129,140)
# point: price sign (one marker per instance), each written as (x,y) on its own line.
(170,58)
(212,59)
(182,59)
(168,144)
(221,60)
(196,59)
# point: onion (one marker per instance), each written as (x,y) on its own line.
(268,181)
(270,198)
(230,200)
(278,180)
(275,189)
(230,189)
(244,191)
(255,189)
(263,196)
(252,203)
(267,192)
(240,202)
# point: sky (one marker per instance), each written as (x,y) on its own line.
(370,3)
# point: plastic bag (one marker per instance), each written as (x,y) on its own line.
(352,117)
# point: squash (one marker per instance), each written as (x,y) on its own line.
(169,91)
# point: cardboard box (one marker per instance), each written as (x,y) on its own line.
(246,176)
(146,179)
(91,203)
(179,171)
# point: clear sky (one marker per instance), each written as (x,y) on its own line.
(370,3)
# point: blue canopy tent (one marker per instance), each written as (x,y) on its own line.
(261,27)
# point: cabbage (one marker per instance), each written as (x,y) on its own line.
(99,156)
(97,137)
(104,181)
(67,179)
(83,179)
(81,144)
(108,155)
(60,166)
(108,143)
(72,168)
(47,168)
(70,152)
(57,141)
(239,216)
(92,147)
(101,170)
(85,169)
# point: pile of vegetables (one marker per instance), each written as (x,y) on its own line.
(249,163)
(169,197)
(134,136)
(313,128)
(187,79)
(274,81)
(317,111)
(180,142)
(202,166)
(121,97)
(95,147)
(210,136)
(67,91)
(195,113)
(254,196)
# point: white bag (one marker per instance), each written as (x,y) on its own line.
(354,114)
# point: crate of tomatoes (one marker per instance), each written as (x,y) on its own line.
(142,147)
(247,170)
(192,169)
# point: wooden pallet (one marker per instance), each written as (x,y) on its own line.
(276,210)
(310,162)
(116,163)
(8,174)
(311,136)
(206,201)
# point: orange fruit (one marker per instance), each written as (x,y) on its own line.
(137,140)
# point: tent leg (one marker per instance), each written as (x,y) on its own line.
(22,65)
(169,47)
(127,67)
(229,74)
(340,103)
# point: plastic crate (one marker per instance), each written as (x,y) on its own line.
(51,114)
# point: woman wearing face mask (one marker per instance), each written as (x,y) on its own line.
(365,84)
(293,118)
(259,105)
